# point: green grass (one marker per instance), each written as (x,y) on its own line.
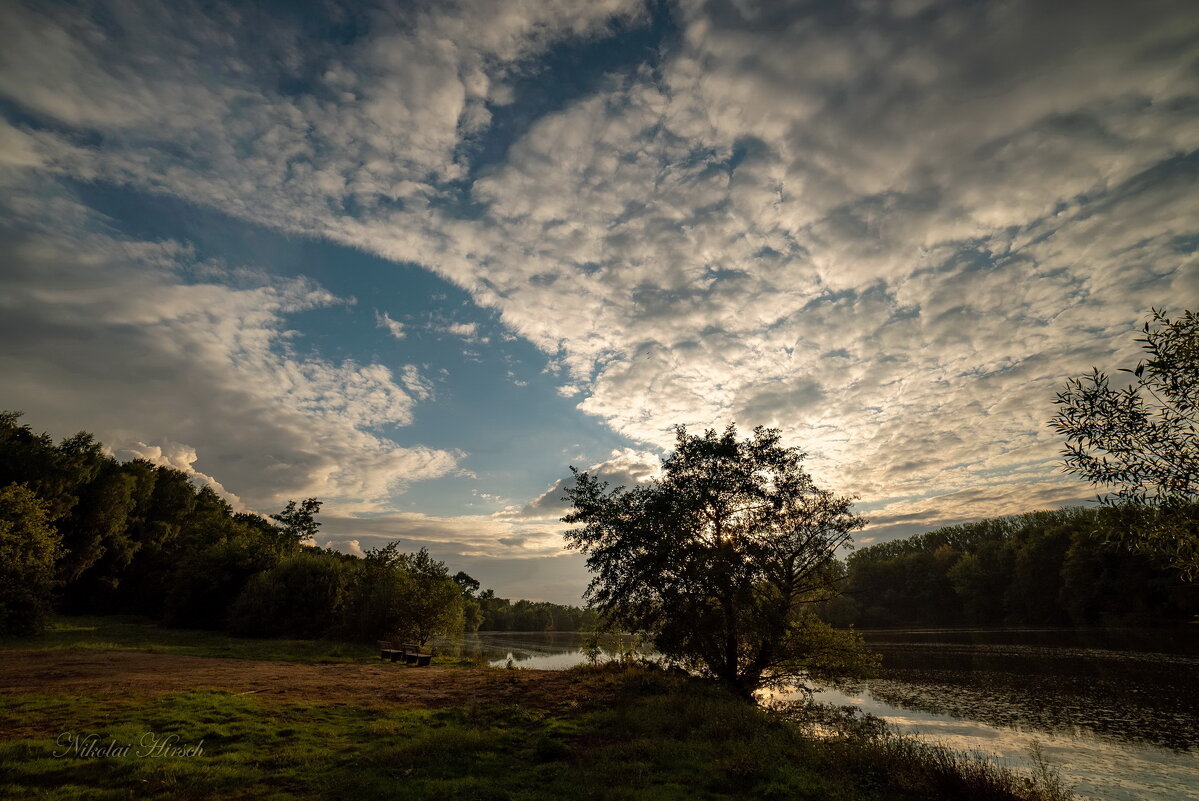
(651,736)
(254,749)
(634,734)
(130,633)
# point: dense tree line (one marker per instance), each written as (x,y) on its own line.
(501,614)
(1042,569)
(82,532)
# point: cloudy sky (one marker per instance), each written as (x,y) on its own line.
(415,259)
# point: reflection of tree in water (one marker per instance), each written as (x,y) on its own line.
(1165,714)
(519,647)
(524,646)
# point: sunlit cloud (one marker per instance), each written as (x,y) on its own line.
(890,230)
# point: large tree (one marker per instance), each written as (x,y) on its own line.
(720,560)
(1142,440)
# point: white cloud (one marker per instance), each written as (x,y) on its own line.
(394,327)
(352,547)
(623,468)
(137,343)
(457,536)
(892,238)
(180,457)
(417,385)
(467,331)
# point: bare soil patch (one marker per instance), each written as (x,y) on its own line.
(121,674)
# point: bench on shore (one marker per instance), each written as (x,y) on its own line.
(408,652)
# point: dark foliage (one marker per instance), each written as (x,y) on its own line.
(302,596)
(1043,568)
(720,559)
(502,614)
(1142,441)
(138,538)
(29,548)
(434,605)
(298,521)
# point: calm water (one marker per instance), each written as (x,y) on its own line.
(1115,710)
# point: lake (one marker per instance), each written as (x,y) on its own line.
(1116,711)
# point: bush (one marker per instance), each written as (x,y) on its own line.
(302,596)
(434,604)
(402,596)
(29,547)
(377,602)
(206,582)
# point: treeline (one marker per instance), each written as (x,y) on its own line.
(1051,568)
(501,614)
(82,532)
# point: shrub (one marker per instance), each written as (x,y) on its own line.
(206,582)
(302,596)
(377,601)
(29,547)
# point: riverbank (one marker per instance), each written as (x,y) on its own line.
(95,722)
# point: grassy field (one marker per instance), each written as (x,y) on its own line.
(129,633)
(621,734)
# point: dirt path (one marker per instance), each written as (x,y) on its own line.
(122,674)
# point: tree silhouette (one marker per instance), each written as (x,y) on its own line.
(1142,440)
(298,521)
(720,560)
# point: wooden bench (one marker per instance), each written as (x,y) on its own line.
(408,652)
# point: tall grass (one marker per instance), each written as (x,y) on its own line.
(864,746)
(791,745)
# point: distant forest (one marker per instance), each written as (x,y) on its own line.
(1051,568)
(501,614)
(81,532)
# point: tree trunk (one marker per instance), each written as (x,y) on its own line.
(731,673)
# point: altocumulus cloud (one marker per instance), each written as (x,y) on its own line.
(890,229)
(143,341)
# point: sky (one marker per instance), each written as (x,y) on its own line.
(417,259)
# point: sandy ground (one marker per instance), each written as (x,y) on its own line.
(122,674)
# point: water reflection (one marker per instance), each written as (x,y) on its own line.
(540,650)
(1102,686)
(1117,711)
(1097,768)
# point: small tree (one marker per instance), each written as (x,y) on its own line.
(434,604)
(720,560)
(378,601)
(29,546)
(302,596)
(297,522)
(1143,440)
(472,610)
(468,584)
